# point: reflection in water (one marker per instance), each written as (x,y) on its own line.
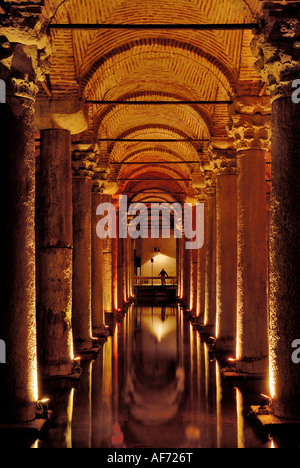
(154,384)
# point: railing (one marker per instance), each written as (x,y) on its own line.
(154,281)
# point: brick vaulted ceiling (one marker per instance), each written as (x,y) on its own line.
(153,65)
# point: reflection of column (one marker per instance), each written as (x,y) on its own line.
(278,40)
(98,320)
(18,377)
(83,166)
(54,312)
(226,259)
(251,133)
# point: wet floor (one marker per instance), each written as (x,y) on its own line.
(154,384)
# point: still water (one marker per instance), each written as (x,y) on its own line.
(153,385)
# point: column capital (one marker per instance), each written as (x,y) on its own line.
(250,123)
(84,161)
(210,178)
(224,161)
(277,48)
(25,48)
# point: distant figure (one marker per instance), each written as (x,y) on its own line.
(163,274)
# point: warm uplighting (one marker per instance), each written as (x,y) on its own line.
(231,359)
(266,397)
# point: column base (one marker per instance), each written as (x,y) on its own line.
(18,415)
(31,429)
(85,348)
(101,332)
(54,370)
(269,424)
(225,345)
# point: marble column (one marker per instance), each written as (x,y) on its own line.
(107,267)
(54,311)
(98,318)
(226,250)
(18,376)
(201,270)
(210,260)
(250,130)
(83,163)
(277,49)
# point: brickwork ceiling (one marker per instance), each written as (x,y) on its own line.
(152,65)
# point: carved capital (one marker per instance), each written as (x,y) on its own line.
(99,180)
(250,132)
(277,48)
(84,161)
(224,161)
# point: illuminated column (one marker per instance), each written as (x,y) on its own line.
(107,267)
(83,161)
(115,255)
(277,48)
(251,132)
(226,249)
(121,298)
(18,376)
(187,268)
(210,260)
(98,319)
(54,311)
(125,291)
(202,267)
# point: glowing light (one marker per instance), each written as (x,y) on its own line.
(231,359)
(266,397)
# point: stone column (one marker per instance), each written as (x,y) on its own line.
(186,280)
(277,48)
(121,298)
(54,311)
(202,266)
(56,121)
(226,249)
(98,318)
(107,267)
(18,376)
(251,132)
(210,260)
(83,162)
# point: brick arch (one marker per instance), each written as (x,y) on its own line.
(92,43)
(182,58)
(204,113)
(119,150)
(123,119)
